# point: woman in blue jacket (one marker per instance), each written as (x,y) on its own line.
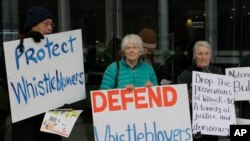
(130,71)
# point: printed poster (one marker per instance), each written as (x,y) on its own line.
(60,122)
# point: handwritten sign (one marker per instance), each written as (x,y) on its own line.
(157,113)
(44,75)
(241,83)
(213,103)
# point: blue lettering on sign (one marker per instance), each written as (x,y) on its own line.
(50,50)
(25,90)
(131,133)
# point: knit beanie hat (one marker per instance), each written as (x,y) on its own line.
(35,15)
(148,37)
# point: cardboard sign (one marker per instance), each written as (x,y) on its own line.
(213,103)
(241,83)
(44,75)
(156,113)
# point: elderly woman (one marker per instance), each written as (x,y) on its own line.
(201,62)
(130,71)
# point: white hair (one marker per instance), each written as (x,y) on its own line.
(132,39)
(201,44)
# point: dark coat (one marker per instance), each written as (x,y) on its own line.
(186,75)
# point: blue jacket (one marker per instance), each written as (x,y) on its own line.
(137,76)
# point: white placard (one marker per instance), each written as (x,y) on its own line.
(241,82)
(213,103)
(45,75)
(157,113)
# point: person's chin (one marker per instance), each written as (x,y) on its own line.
(132,59)
(202,66)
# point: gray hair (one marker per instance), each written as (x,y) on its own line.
(201,44)
(132,39)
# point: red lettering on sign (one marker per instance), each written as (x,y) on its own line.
(140,101)
(126,97)
(155,97)
(112,100)
(95,95)
(167,92)
(140,98)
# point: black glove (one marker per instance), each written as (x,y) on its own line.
(197,135)
(21,46)
(36,36)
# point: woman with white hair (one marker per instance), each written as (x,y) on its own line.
(130,71)
(202,54)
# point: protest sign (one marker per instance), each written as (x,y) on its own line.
(213,103)
(156,113)
(44,75)
(241,83)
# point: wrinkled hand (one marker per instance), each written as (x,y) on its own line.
(130,87)
(36,36)
(148,84)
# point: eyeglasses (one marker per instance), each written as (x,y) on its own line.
(46,24)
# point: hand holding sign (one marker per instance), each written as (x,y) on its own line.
(36,36)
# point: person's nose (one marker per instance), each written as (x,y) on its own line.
(131,49)
(204,56)
(49,29)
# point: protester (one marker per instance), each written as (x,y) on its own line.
(202,54)
(39,22)
(149,41)
(130,71)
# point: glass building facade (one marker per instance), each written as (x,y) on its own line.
(225,24)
